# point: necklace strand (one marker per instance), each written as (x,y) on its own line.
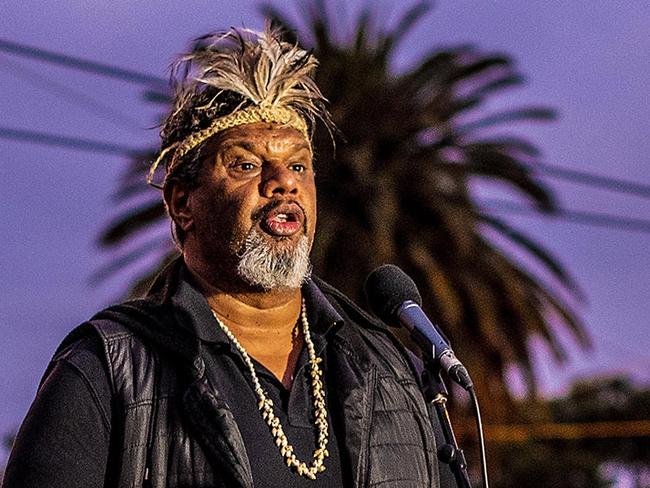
(265,405)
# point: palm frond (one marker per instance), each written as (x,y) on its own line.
(508,145)
(466,71)
(508,80)
(496,164)
(132,256)
(145,280)
(533,114)
(138,219)
(404,25)
(549,262)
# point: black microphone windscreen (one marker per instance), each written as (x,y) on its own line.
(387,287)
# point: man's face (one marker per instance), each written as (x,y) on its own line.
(256,191)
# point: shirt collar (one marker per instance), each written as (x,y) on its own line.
(200,319)
(322,316)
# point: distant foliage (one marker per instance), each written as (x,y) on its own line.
(590,462)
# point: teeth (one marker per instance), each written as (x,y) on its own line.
(281,217)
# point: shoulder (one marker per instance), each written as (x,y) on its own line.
(118,349)
(86,342)
(81,349)
(86,347)
(347,308)
(368,337)
(78,375)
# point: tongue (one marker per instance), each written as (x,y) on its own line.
(281,226)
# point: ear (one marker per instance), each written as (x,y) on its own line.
(178,202)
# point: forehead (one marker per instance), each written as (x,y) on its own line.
(262,137)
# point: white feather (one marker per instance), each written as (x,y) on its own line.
(259,66)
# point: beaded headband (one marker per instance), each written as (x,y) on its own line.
(278,115)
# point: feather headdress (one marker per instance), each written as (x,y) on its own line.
(239,77)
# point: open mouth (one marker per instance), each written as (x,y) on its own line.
(283,220)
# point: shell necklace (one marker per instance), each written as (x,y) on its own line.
(265,405)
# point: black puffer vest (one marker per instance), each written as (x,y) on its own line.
(174,430)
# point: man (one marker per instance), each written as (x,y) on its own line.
(239,368)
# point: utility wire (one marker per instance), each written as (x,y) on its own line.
(72,96)
(80,63)
(577,176)
(581,217)
(590,179)
(43,138)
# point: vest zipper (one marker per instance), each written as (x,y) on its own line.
(152,425)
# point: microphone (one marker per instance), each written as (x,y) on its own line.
(394,297)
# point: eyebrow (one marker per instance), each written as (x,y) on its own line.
(244,144)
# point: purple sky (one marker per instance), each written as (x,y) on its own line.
(589,60)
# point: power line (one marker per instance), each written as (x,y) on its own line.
(80,63)
(580,217)
(591,179)
(577,176)
(42,138)
(75,97)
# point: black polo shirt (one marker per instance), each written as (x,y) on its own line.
(229,374)
(65,438)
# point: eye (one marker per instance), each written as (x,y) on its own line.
(243,166)
(246,166)
(298,167)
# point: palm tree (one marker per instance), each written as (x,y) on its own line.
(399,189)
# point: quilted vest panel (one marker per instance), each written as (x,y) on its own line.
(156,447)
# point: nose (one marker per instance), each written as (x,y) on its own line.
(278,180)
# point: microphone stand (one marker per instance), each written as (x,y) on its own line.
(435,393)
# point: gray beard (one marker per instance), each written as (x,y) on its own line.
(263,266)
